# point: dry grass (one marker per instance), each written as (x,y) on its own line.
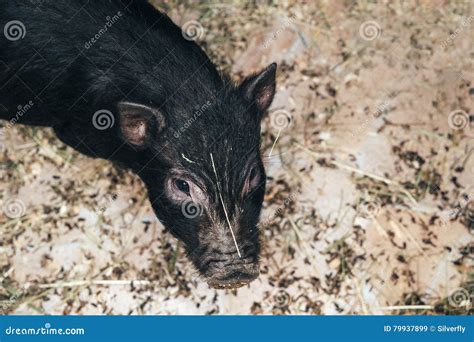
(369,201)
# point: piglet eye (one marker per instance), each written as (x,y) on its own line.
(254,178)
(182,185)
(253,174)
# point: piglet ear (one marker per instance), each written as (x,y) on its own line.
(139,124)
(260,88)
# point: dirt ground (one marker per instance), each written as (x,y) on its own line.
(369,152)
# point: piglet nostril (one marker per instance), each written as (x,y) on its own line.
(222,261)
(224,257)
(227,252)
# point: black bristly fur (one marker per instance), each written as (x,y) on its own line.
(172,110)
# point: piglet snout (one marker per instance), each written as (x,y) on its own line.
(226,271)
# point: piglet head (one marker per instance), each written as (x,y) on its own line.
(200,160)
